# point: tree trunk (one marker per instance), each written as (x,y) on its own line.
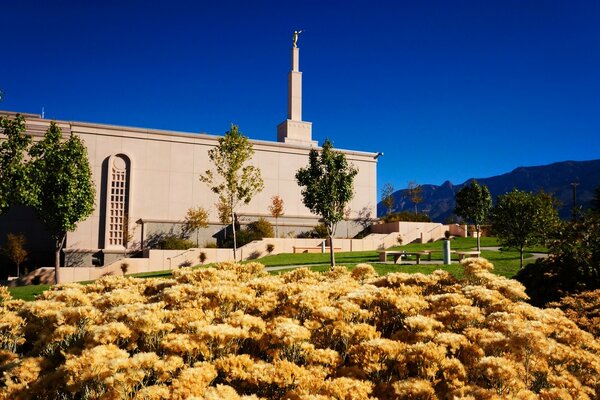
(331,251)
(521,253)
(58,247)
(234,236)
(276,227)
(197,234)
(478,230)
(18,270)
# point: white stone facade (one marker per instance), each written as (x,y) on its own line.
(151,178)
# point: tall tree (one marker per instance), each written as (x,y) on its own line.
(63,178)
(15,178)
(387,197)
(276,210)
(327,186)
(522,219)
(415,192)
(231,179)
(473,203)
(15,250)
(195,219)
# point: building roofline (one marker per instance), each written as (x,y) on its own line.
(165,132)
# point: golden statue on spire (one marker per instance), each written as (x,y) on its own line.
(295,37)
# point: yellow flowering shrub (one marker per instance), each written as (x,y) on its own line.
(236,332)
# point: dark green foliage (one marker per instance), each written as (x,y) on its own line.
(260,228)
(64,186)
(523,219)
(406,216)
(327,186)
(255,230)
(173,242)
(574,264)
(16,186)
(473,203)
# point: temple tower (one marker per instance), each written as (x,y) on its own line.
(293,130)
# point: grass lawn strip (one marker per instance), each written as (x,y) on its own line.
(506,263)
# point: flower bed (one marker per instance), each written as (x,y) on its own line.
(236,332)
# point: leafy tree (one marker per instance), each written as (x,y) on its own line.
(522,219)
(15,177)
(14,249)
(327,187)
(276,209)
(63,178)
(387,197)
(233,181)
(473,203)
(195,219)
(415,192)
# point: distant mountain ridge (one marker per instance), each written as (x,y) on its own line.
(438,200)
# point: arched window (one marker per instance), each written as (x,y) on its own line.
(117,201)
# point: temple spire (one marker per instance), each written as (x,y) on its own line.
(293,129)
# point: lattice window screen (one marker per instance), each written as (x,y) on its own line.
(118,201)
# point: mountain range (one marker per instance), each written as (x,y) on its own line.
(557,178)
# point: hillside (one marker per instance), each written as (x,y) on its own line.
(438,200)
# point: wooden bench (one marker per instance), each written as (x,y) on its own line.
(313,249)
(398,254)
(464,254)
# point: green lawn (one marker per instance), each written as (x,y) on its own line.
(27,293)
(506,263)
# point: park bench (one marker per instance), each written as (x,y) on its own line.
(315,249)
(464,254)
(398,254)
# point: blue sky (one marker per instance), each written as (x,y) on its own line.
(448,90)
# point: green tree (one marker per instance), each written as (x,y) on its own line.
(15,177)
(15,250)
(327,186)
(387,198)
(415,192)
(195,219)
(522,219)
(276,209)
(231,179)
(473,203)
(62,176)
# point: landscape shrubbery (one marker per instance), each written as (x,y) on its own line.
(234,331)
(407,216)
(573,265)
(582,308)
(255,230)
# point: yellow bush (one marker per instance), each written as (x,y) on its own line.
(235,332)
